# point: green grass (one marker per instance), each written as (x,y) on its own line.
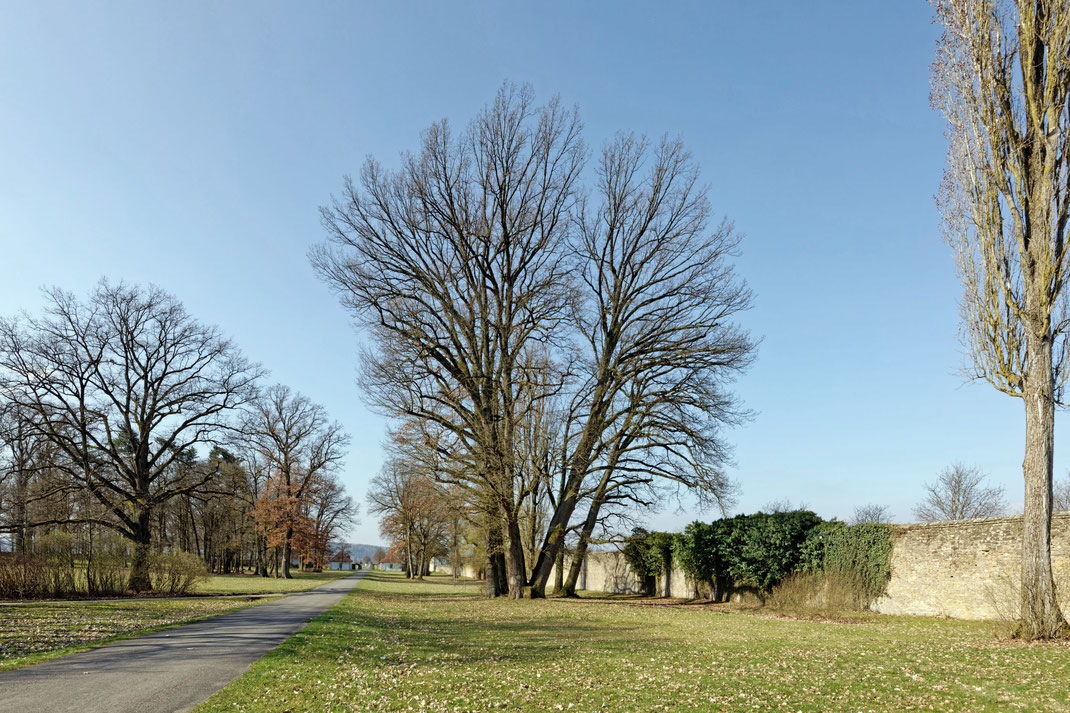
(392,645)
(251,584)
(31,632)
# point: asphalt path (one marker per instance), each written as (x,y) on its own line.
(170,671)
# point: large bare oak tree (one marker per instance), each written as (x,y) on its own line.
(121,385)
(455,263)
(490,283)
(657,301)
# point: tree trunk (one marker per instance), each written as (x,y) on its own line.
(514,557)
(261,556)
(287,553)
(494,582)
(569,589)
(580,462)
(490,588)
(140,579)
(455,552)
(21,486)
(559,572)
(1040,614)
(500,579)
(585,534)
(554,541)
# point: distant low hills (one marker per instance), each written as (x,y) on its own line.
(358,552)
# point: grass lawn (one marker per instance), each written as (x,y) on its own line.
(398,646)
(31,632)
(251,584)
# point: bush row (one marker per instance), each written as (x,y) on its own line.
(760,552)
(58,569)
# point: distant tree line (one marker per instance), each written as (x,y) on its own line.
(123,416)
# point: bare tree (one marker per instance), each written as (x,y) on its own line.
(1001,80)
(782,505)
(873,514)
(417,508)
(332,512)
(455,264)
(21,448)
(1061,495)
(656,311)
(489,287)
(959,493)
(297,441)
(121,386)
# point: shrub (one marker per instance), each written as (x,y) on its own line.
(764,549)
(56,551)
(860,554)
(755,551)
(22,577)
(649,554)
(817,592)
(177,572)
(105,564)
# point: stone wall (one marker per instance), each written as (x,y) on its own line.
(609,572)
(967,569)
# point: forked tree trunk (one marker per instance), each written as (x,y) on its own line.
(589,524)
(554,542)
(1040,614)
(574,570)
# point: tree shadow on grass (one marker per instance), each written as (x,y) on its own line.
(465,588)
(467,641)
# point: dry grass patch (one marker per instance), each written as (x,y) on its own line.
(252,584)
(35,631)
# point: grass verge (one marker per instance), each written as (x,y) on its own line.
(251,584)
(31,632)
(394,645)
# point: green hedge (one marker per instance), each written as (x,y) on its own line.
(745,551)
(649,554)
(759,551)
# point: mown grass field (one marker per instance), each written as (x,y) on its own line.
(398,646)
(31,632)
(251,584)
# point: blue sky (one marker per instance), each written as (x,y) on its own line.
(190,145)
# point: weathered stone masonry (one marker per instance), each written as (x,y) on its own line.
(967,569)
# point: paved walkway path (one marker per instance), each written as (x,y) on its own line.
(169,671)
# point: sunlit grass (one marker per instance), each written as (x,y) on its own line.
(394,645)
(251,584)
